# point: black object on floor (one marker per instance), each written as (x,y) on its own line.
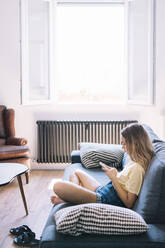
(26,239)
(20,230)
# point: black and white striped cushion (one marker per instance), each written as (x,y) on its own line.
(99,219)
(93,153)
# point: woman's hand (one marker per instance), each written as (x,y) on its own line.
(110,172)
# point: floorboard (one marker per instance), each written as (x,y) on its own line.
(37,193)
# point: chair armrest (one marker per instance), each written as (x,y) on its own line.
(9,122)
(75,156)
(16,141)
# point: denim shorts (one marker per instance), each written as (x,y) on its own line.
(108,195)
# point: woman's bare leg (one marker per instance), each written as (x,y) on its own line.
(81,178)
(55,199)
(66,191)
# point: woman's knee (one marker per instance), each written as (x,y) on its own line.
(71,176)
(78,172)
(58,186)
(74,173)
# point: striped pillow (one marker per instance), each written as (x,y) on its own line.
(99,219)
(93,153)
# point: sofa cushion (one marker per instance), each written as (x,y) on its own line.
(92,153)
(7,152)
(151,201)
(99,219)
(153,238)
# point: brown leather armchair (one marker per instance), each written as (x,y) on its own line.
(12,149)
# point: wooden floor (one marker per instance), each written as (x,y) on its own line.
(12,212)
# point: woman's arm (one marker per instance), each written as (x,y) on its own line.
(126,197)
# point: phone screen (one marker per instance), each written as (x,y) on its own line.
(102,164)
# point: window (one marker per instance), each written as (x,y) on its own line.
(76,51)
(89,53)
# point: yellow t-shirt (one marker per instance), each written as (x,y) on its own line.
(131,177)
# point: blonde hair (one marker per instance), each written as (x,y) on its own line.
(138,144)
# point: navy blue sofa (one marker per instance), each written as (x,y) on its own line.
(150,205)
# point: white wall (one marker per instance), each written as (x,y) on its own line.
(26,116)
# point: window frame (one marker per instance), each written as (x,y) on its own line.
(24,56)
(150,98)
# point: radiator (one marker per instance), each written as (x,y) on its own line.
(57,139)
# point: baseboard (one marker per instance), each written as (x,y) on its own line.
(47,166)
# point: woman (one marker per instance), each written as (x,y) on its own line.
(124,186)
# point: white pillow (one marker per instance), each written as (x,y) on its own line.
(93,153)
(99,219)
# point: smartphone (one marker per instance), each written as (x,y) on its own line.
(103,165)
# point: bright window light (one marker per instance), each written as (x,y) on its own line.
(89,53)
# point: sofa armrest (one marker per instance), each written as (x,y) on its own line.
(16,141)
(75,156)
